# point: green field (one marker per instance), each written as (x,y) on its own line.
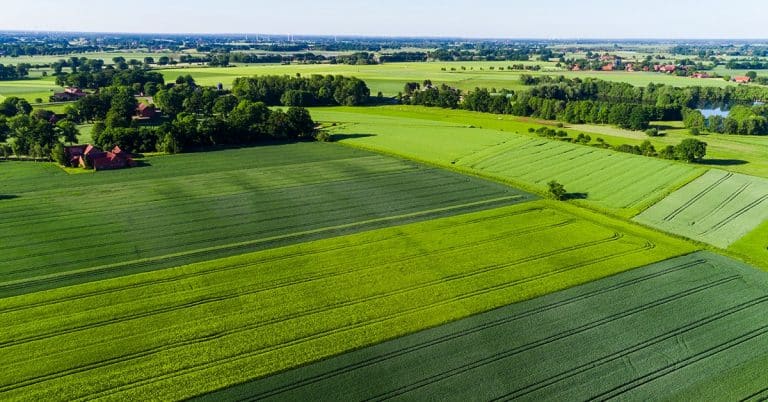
(59,228)
(690,328)
(152,336)
(618,182)
(747,154)
(29,89)
(718,208)
(390,78)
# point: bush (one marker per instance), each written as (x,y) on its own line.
(652,132)
(556,190)
(323,136)
(695,131)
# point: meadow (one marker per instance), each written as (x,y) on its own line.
(151,336)
(699,331)
(60,229)
(718,208)
(511,155)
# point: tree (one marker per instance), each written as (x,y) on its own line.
(556,190)
(59,155)
(691,150)
(67,131)
(751,74)
(300,122)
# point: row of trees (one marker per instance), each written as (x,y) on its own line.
(561,88)
(689,150)
(317,90)
(141,80)
(16,72)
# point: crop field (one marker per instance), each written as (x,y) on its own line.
(151,336)
(620,182)
(390,78)
(718,208)
(59,229)
(689,328)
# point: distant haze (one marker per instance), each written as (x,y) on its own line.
(550,19)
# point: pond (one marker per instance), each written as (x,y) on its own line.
(722,110)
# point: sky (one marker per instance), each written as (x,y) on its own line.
(548,19)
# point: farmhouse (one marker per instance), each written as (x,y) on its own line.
(700,75)
(146,112)
(669,69)
(69,94)
(741,79)
(607,67)
(83,155)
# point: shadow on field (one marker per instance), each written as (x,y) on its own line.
(577,196)
(7,197)
(339,137)
(723,162)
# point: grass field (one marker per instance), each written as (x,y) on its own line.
(151,336)
(29,89)
(390,78)
(699,331)
(718,208)
(59,229)
(754,246)
(622,183)
(736,153)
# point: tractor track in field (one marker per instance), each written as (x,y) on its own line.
(271,286)
(553,338)
(624,388)
(261,261)
(727,200)
(760,396)
(743,210)
(246,328)
(672,215)
(473,330)
(635,348)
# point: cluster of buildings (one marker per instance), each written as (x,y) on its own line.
(90,156)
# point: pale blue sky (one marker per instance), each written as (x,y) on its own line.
(477,18)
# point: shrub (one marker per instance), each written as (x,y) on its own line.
(556,190)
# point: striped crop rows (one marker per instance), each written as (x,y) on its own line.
(702,308)
(152,333)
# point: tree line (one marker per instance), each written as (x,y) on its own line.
(17,72)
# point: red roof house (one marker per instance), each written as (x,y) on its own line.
(741,79)
(69,94)
(144,111)
(78,155)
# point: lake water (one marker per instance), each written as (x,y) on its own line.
(720,110)
(715,112)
